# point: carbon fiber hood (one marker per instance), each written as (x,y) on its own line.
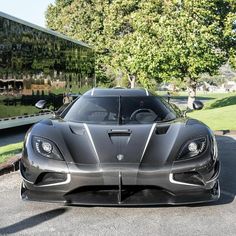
(153,145)
(109,144)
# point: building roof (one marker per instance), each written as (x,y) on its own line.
(48,31)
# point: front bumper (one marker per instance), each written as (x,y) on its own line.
(123,187)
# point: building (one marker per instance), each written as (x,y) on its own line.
(230,86)
(35,59)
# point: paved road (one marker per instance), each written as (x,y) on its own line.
(13,135)
(34,218)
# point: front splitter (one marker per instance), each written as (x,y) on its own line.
(128,196)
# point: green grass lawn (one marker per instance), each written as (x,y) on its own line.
(8,111)
(221,102)
(219,111)
(10,150)
(223,118)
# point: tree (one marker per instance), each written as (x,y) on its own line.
(134,40)
(194,41)
(151,40)
(230,32)
(114,28)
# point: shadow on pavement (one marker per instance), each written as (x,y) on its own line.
(227,155)
(13,135)
(32,221)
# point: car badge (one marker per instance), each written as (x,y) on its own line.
(120,157)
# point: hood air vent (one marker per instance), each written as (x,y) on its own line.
(77,130)
(162,129)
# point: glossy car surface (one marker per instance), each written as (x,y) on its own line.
(120,147)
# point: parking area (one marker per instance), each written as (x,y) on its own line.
(34,218)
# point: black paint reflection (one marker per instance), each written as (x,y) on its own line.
(34,61)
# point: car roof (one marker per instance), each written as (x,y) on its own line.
(118,92)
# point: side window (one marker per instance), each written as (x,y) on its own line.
(172,107)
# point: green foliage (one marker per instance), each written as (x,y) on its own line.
(230,32)
(150,41)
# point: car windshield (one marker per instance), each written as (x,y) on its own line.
(121,110)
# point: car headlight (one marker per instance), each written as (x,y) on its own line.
(192,148)
(46,148)
(214,148)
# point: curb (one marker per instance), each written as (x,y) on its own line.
(10,165)
(225,132)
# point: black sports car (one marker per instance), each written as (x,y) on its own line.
(120,147)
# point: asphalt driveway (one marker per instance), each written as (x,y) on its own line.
(13,135)
(33,218)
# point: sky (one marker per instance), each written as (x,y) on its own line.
(32,11)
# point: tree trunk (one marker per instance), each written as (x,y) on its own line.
(192,85)
(132,79)
(119,78)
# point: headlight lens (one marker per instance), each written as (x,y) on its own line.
(46,148)
(192,148)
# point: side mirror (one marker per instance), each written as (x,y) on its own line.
(198,105)
(41,104)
